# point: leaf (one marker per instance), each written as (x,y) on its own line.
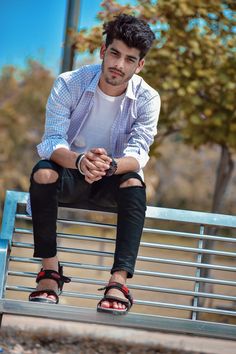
(181,92)
(194,118)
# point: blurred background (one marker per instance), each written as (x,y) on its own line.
(192,66)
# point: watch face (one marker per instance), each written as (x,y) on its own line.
(112,169)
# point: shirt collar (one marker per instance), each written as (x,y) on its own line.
(130,90)
(93,84)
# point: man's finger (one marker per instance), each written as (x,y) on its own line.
(99,151)
(92,156)
(98,166)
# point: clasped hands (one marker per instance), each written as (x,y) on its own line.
(94,164)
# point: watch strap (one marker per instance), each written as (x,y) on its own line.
(112,169)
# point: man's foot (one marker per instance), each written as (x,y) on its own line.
(119,277)
(114,304)
(46,284)
(50,282)
(117,298)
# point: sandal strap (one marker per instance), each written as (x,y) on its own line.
(52,274)
(123,288)
(37,293)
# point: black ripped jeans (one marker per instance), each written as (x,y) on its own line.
(72,190)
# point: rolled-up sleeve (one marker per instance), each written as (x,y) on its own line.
(144,129)
(58,111)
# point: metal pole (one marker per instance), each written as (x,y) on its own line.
(72,19)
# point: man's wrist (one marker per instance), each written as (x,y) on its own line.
(78,163)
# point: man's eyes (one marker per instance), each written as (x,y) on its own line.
(130,60)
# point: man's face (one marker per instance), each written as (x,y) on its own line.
(120,63)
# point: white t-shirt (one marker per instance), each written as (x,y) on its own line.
(96,129)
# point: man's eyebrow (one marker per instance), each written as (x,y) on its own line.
(132,57)
(114,50)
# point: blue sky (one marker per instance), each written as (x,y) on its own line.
(35,29)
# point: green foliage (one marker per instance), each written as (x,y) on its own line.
(23,96)
(193,65)
(195,72)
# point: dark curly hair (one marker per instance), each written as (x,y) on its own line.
(135,33)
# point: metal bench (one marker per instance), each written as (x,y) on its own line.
(167,286)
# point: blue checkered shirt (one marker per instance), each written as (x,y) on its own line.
(71,100)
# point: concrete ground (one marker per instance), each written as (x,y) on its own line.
(170,343)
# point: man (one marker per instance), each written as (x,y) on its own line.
(100,123)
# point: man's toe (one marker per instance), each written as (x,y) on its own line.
(106,304)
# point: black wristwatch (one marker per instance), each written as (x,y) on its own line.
(112,169)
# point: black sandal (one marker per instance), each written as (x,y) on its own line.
(128,303)
(49,274)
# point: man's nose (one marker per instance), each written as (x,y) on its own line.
(120,63)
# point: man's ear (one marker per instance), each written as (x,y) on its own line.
(102,50)
(140,66)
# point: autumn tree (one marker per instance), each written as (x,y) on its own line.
(193,67)
(23,96)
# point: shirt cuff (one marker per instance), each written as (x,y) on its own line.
(46,148)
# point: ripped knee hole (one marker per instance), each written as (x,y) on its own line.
(45,176)
(132,182)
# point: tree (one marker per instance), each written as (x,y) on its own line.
(22,106)
(193,67)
